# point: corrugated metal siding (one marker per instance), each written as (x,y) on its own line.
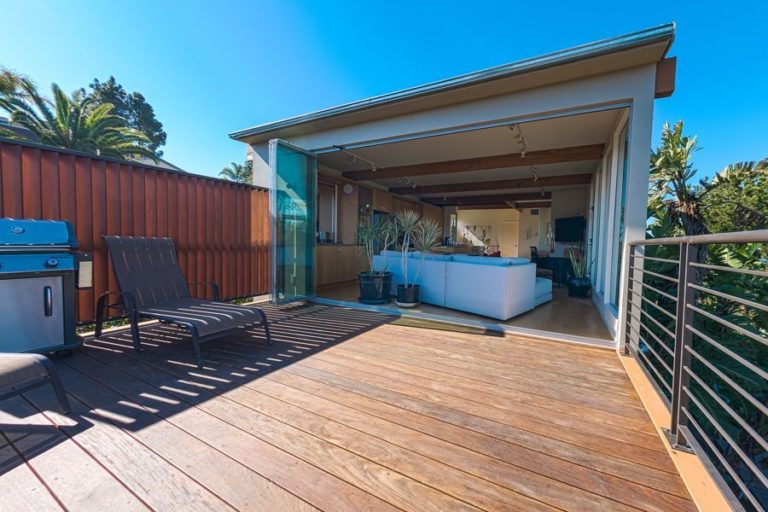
(221,229)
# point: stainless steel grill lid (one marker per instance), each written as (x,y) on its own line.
(30,234)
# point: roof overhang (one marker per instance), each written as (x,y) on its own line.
(648,46)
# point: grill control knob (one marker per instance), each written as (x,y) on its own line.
(51,263)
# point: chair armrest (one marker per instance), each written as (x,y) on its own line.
(125,300)
(213,286)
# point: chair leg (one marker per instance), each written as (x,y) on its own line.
(265,324)
(198,354)
(134,318)
(100,305)
(55,381)
(61,395)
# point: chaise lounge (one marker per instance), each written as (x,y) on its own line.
(152,285)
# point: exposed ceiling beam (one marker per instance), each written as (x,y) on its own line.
(544,181)
(533,204)
(499,206)
(546,156)
(488,199)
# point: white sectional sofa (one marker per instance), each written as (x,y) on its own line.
(499,288)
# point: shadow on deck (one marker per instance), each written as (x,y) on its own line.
(347,410)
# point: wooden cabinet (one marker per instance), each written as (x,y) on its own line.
(433,212)
(382,201)
(338,264)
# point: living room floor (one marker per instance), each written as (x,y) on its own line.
(563,314)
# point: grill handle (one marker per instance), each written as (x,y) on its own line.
(48,300)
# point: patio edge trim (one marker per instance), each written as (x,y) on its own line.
(493,326)
(704,491)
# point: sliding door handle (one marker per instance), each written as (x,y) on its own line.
(48,300)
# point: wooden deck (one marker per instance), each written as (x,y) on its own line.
(347,411)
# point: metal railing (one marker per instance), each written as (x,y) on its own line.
(696,320)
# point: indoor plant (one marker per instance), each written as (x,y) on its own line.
(406,223)
(579,285)
(424,234)
(375,284)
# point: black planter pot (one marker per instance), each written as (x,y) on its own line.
(579,287)
(407,296)
(374,287)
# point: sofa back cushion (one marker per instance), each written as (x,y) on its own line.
(488,260)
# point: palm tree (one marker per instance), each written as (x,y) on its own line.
(240,173)
(73,122)
(670,188)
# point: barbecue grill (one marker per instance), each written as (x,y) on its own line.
(38,271)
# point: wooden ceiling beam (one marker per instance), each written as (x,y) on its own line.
(533,204)
(544,181)
(546,156)
(488,199)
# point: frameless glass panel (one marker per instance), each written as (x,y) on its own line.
(292,205)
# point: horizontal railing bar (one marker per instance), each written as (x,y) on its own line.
(747,271)
(743,456)
(654,258)
(741,391)
(658,357)
(658,340)
(733,326)
(721,458)
(660,276)
(728,296)
(728,352)
(658,324)
(639,321)
(654,370)
(738,237)
(647,300)
(663,294)
(728,409)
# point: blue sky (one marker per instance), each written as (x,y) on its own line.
(210,68)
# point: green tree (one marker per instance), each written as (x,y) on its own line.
(738,198)
(240,173)
(672,193)
(73,122)
(133,107)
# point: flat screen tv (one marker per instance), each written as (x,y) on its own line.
(570,229)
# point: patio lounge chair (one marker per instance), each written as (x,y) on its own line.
(152,285)
(20,373)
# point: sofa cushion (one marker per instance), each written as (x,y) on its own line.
(488,260)
(387,252)
(543,286)
(430,256)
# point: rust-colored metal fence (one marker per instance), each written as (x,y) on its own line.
(221,229)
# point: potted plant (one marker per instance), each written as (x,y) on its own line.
(375,283)
(424,234)
(579,285)
(406,223)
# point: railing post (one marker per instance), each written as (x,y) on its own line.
(683,337)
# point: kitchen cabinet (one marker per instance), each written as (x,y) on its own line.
(338,263)
(382,201)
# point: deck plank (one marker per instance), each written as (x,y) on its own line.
(21,489)
(352,410)
(44,445)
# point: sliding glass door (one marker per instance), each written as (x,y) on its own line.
(292,212)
